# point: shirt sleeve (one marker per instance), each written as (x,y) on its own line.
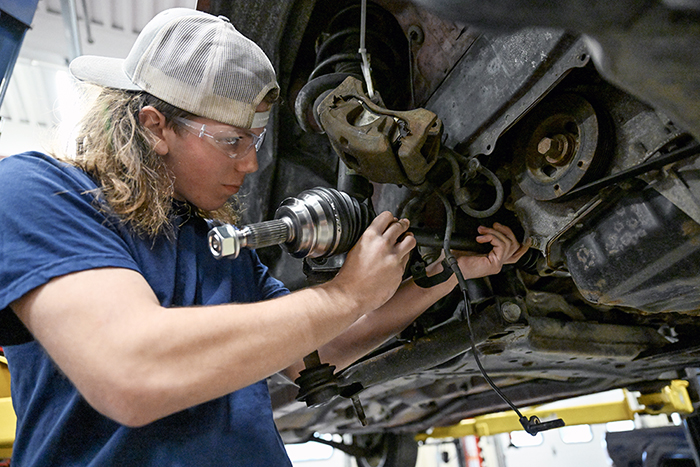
(269,286)
(51,225)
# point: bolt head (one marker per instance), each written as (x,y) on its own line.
(557,150)
(544,145)
(511,312)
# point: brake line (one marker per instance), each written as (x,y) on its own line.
(533,425)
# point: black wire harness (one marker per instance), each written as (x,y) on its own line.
(532,425)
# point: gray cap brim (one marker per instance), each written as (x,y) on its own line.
(104,71)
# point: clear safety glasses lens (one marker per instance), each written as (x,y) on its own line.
(235,143)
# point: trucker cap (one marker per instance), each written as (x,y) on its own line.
(192,60)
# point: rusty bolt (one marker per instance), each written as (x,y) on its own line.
(544,145)
(557,150)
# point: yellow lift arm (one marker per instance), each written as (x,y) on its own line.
(8,420)
(673,398)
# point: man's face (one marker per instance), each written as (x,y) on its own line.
(204,174)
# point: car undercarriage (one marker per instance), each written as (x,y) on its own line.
(575,125)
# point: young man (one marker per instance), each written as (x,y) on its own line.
(143,349)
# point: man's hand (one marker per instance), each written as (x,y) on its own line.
(374,267)
(506,250)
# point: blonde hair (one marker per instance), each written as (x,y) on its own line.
(118,152)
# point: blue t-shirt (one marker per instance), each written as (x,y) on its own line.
(49,226)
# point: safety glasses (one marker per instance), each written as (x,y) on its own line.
(236,143)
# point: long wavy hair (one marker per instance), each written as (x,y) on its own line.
(118,152)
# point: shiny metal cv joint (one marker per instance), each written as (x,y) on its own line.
(320,222)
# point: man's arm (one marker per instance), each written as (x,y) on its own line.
(127,355)
(375,327)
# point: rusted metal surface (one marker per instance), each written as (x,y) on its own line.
(443,43)
(638,134)
(643,252)
(385,146)
(558,147)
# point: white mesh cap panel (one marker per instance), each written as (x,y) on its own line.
(194,61)
(191,42)
(203,65)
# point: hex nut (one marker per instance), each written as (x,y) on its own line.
(223,241)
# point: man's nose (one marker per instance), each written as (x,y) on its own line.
(248,163)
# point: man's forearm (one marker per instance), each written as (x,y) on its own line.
(377,326)
(127,356)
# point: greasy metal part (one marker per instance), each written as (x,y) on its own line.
(457,242)
(507,75)
(514,14)
(317,386)
(557,150)
(320,222)
(511,312)
(349,41)
(673,398)
(308,97)
(416,36)
(691,150)
(432,61)
(550,225)
(640,252)
(558,144)
(426,352)
(674,189)
(643,47)
(504,347)
(383,145)
(462,195)
(585,339)
(359,410)
(366,72)
(657,60)
(410,371)
(639,134)
(553,248)
(417,399)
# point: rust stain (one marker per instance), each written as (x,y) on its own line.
(691,229)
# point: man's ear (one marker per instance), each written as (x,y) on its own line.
(152,119)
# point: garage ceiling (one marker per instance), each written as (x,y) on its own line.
(39,90)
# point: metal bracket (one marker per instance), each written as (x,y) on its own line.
(676,191)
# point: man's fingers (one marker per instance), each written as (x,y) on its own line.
(381,222)
(385,222)
(405,244)
(506,247)
(396,232)
(397,227)
(520,252)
